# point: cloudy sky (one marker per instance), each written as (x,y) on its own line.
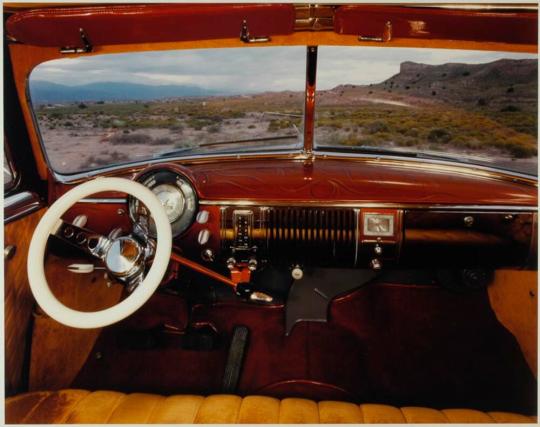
(244,70)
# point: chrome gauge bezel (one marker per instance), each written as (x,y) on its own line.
(156,178)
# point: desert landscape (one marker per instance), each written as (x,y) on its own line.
(480,112)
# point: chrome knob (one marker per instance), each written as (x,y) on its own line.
(203,237)
(202,217)
(80,221)
(376,264)
(297,273)
(208,255)
(252,264)
(231,263)
(469,221)
(378,250)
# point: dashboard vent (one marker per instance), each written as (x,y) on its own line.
(309,234)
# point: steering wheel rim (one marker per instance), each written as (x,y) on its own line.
(36,256)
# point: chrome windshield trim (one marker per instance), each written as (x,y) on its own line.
(440,164)
(134,166)
(467,169)
(360,205)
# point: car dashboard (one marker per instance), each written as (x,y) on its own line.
(237,217)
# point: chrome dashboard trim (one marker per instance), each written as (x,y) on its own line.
(356,235)
(103,200)
(20,204)
(360,205)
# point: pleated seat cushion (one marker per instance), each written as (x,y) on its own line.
(80,406)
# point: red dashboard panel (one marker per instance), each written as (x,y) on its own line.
(139,23)
(328,180)
(432,23)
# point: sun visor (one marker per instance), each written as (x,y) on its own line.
(108,25)
(382,23)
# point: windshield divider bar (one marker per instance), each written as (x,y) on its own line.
(309,107)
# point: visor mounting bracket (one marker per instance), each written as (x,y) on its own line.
(87,47)
(246,38)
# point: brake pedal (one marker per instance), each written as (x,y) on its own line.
(235,359)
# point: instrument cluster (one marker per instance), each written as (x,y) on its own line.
(177,196)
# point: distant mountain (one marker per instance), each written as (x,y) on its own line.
(496,83)
(43,92)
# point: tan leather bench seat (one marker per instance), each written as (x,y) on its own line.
(80,406)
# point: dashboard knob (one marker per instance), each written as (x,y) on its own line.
(203,237)
(378,249)
(376,264)
(80,221)
(252,264)
(231,263)
(297,273)
(208,255)
(202,217)
(469,221)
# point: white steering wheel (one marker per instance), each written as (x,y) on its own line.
(50,222)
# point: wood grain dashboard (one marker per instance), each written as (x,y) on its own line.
(316,211)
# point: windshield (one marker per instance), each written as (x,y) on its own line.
(478,107)
(110,109)
(472,106)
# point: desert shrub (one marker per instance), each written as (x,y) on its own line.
(82,105)
(117,156)
(439,136)
(213,129)
(376,127)
(199,123)
(68,124)
(132,138)
(466,73)
(481,102)
(510,109)
(252,127)
(161,141)
(100,102)
(413,132)
(522,151)
(177,129)
(276,125)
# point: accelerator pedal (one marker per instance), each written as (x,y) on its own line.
(235,359)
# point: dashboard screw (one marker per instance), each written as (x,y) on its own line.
(120,211)
(469,221)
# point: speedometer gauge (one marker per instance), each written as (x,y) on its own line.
(176,194)
(171,199)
